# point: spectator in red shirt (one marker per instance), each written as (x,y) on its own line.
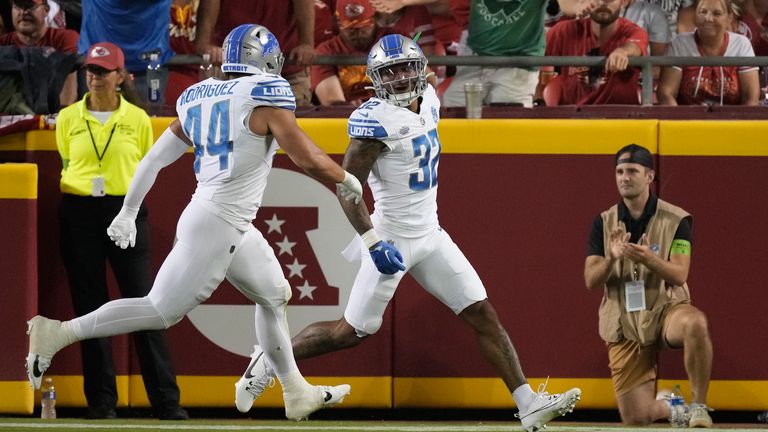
(334,84)
(710,85)
(604,33)
(292,23)
(325,25)
(31,30)
(449,17)
(409,21)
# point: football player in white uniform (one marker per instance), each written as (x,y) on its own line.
(235,126)
(395,146)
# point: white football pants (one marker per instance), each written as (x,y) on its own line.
(434,260)
(207,250)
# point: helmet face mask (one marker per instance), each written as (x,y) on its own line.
(397,69)
(401,80)
(251,49)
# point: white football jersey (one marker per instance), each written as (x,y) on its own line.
(231,162)
(404,177)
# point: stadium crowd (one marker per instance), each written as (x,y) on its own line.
(616,30)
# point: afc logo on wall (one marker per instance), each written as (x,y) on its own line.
(303,222)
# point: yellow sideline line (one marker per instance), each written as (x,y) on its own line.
(527,136)
(382,392)
(512,136)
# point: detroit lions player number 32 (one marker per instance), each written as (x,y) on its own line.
(394,145)
(235,126)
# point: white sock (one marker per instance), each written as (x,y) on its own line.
(69,334)
(523,397)
(275,339)
(294,382)
(118,317)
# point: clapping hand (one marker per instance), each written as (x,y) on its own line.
(619,239)
(640,252)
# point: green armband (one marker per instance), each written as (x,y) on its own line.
(680,247)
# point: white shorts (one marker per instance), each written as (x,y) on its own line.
(500,84)
(207,250)
(436,263)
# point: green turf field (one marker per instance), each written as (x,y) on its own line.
(76,425)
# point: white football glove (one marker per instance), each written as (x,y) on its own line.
(350,188)
(122,230)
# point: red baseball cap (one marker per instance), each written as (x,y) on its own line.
(354,13)
(107,55)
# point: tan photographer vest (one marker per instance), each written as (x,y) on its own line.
(640,326)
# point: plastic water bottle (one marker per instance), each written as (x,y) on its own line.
(762,417)
(206,68)
(677,407)
(48,400)
(153,82)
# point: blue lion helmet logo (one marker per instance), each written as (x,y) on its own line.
(270,46)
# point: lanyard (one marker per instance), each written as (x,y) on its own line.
(109,140)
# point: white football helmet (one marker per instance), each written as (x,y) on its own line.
(251,49)
(391,50)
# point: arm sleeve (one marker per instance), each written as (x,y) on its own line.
(685,230)
(596,245)
(273,92)
(364,124)
(742,48)
(658,30)
(675,49)
(62,143)
(639,37)
(70,41)
(146,135)
(166,150)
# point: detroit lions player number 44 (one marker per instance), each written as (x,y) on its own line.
(394,145)
(235,126)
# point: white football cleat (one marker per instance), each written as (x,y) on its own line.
(298,406)
(545,407)
(254,381)
(46,338)
(334,395)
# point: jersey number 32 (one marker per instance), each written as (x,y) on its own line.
(427,149)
